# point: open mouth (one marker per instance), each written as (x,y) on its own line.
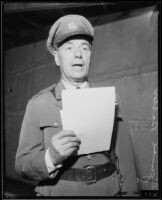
(77,65)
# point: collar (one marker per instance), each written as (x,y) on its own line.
(62,85)
(67,85)
(58,90)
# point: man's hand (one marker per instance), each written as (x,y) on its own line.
(63,144)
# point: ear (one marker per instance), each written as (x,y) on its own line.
(55,54)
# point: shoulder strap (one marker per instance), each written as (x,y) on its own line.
(44,91)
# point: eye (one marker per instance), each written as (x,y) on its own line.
(86,48)
(69,47)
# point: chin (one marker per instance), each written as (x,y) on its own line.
(79,75)
(79,79)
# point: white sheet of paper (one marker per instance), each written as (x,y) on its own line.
(90,114)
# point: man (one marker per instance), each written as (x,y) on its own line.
(47,153)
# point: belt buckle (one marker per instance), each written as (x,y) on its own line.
(91,174)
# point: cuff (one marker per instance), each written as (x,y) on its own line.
(50,166)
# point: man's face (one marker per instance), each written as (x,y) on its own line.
(73,57)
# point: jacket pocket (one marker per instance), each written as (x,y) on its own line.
(50,125)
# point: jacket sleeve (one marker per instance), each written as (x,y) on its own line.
(124,151)
(30,156)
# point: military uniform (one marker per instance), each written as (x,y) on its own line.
(97,174)
(41,121)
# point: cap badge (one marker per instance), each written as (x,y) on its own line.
(72,26)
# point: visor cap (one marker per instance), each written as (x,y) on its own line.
(67,27)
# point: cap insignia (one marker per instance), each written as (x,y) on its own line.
(72,26)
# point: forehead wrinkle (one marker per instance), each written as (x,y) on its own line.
(72,42)
(78,40)
(79,44)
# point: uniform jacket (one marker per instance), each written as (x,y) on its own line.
(41,121)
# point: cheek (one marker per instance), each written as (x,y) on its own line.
(65,60)
(64,66)
(88,60)
(60,60)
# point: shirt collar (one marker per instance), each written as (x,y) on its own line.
(61,85)
(67,85)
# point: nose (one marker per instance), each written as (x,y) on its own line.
(78,53)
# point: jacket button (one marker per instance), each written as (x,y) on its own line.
(55,124)
(89,157)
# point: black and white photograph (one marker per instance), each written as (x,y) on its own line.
(80,91)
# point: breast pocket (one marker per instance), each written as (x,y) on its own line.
(50,125)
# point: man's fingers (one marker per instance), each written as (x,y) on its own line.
(66,140)
(71,145)
(65,143)
(63,134)
(71,151)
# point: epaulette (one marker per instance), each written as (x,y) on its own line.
(44,91)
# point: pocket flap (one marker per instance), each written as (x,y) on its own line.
(50,120)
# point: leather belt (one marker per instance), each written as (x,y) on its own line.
(90,173)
